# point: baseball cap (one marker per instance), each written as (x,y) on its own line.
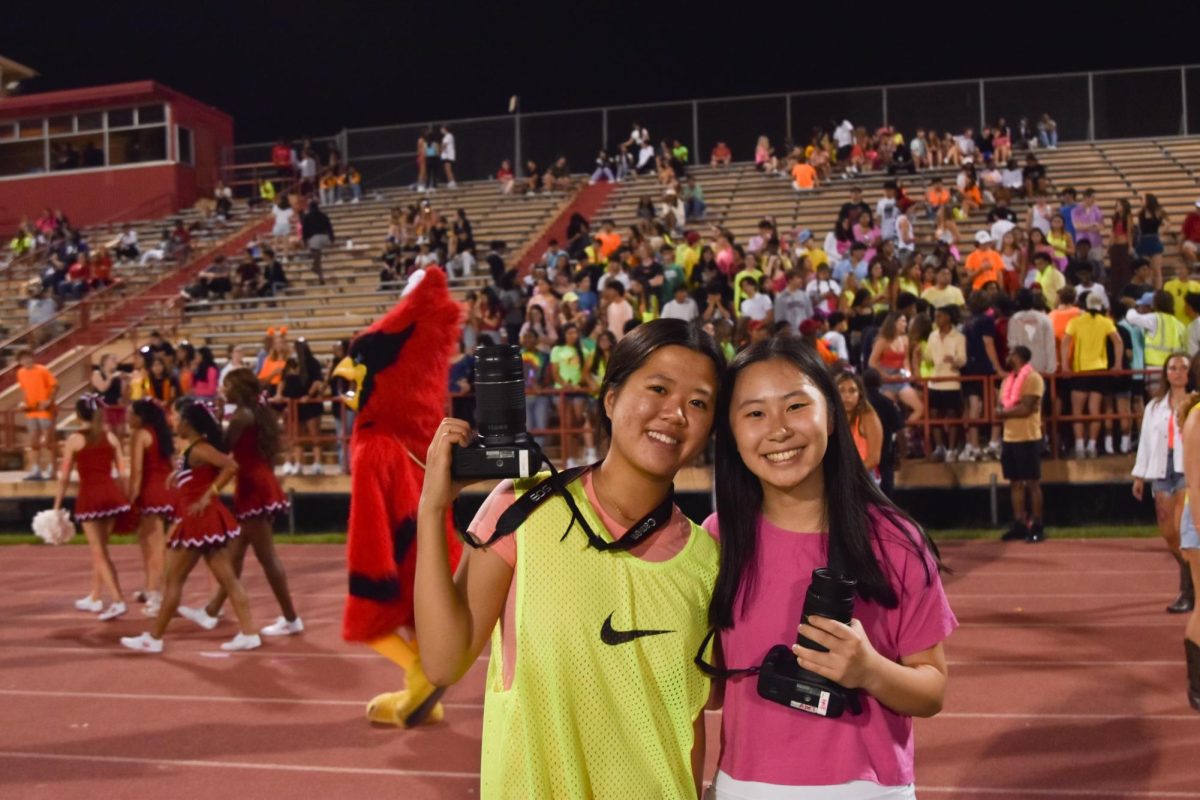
(1095,302)
(570,297)
(803,236)
(1146,299)
(983,237)
(692,237)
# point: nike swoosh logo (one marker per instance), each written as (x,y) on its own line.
(610,636)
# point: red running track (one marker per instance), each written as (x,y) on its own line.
(1067,681)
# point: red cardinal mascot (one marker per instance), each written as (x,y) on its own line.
(400,365)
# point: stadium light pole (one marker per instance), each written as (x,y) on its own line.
(514,108)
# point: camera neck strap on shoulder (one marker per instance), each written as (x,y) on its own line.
(556,484)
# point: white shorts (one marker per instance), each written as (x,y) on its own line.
(727,788)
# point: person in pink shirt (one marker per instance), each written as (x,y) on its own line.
(617,311)
(783,445)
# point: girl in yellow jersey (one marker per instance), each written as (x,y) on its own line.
(591,690)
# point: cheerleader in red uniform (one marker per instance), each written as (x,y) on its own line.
(94,451)
(253,438)
(205,528)
(151,450)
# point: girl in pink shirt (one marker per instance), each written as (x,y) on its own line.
(783,444)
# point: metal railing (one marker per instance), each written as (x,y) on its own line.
(1087,106)
(13,436)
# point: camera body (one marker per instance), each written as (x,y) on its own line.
(479,462)
(502,448)
(781,680)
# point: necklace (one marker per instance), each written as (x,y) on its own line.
(609,503)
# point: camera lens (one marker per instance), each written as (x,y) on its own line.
(829,595)
(499,394)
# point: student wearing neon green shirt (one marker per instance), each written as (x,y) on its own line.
(591,687)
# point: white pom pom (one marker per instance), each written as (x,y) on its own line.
(53,527)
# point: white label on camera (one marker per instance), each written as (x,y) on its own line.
(822,706)
(523,463)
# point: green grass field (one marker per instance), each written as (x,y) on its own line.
(1079,532)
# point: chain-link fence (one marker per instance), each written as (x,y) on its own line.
(1085,105)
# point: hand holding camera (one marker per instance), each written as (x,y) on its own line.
(439,489)
(849,659)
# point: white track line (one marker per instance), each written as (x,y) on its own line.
(359,703)
(276,653)
(268,652)
(187,762)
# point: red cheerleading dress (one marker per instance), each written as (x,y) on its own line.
(156,497)
(99,496)
(257,491)
(210,529)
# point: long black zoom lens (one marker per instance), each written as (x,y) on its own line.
(499,394)
(829,595)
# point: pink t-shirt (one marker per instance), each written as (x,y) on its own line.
(770,743)
(668,542)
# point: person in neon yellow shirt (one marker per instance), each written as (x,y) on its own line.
(1179,287)
(635,617)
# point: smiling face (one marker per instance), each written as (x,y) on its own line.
(780,422)
(663,412)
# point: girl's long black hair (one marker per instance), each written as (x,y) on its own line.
(153,417)
(849,492)
(201,417)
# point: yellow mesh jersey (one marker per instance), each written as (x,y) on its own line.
(584,718)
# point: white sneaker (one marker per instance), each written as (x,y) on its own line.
(94,605)
(243,642)
(969,453)
(144,643)
(281,627)
(198,616)
(312,469)
(452,185)
(951,456)
(1091,450)
(112,612)
(939,454)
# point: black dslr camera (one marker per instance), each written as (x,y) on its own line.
(781,679)
(502,448)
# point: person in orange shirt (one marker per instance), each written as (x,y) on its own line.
(609,239)
(38,385)
(937,197)
(984,265)
(804,177)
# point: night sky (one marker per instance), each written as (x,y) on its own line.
(287,69)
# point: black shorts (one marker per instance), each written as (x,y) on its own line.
(949,401)
(1082,382)
(972,388)
(843,153)
(1021,461)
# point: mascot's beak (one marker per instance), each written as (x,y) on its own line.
(356,373)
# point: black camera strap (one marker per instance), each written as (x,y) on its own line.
(714,671)
(556,484)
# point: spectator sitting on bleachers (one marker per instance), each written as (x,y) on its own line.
(22,242)
(161,251)
(721,155)
(505,177)
(603,170)
(350,185)
(213,282)
(126,246)
(223,196)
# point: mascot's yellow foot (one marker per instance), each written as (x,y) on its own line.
(399,708)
